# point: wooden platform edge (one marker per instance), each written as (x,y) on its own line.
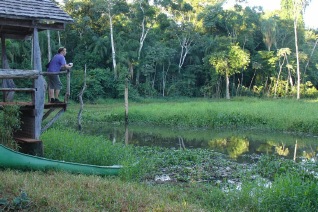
(26,140)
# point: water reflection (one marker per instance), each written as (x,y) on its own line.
(233,146)
(236,144)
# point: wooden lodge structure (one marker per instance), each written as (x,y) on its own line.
(24,19)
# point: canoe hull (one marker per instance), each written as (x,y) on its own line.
(16,160)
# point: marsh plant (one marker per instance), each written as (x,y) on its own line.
(207,179)
(9,123)
(69,145)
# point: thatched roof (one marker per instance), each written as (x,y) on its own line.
(19,17)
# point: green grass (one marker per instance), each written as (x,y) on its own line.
(195,171)
(66,192)
(276,115)
(58,191)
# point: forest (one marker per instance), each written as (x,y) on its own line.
(182,48)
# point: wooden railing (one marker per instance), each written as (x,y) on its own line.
(32,74)
(68,82)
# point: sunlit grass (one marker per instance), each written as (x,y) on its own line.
(271,114)
(58,191)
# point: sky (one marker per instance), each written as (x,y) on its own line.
(311,19)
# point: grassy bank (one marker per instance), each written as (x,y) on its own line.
(278,114)
(57,191)
(36,191)
(201,180)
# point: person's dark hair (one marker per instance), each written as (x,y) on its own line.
(60,49)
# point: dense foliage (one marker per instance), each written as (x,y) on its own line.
(182,48)
(9,123)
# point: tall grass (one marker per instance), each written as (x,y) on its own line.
(274,114)
(71,146)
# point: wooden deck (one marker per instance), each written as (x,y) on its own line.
(30,105)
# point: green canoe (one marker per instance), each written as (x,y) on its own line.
(16,160)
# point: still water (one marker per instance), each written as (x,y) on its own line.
(237,144)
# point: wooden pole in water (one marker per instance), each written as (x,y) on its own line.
(126,111)
(126,100)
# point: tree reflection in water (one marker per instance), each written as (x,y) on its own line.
(238,144)
(233,146)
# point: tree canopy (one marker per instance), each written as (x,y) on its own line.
(186,48)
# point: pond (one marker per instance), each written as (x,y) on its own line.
(239,145)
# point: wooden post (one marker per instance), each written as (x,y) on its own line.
(126,112)
(68,86)
(6,83)
(295,151)
(80,97)
(38,85)
(3,52)
(126,100)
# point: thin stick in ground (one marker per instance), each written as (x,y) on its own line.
(80,97)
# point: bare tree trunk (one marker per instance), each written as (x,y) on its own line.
(252,80)
(143,36)
(307,64)
(297,58)
(227,78)
(218,87)
(59,37)
(185,44)
(278,76)
(164,78)
(298,8)
(80,97)
(112,44)
(265,87)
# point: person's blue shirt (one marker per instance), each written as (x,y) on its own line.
(57,62)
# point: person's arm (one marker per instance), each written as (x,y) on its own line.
(68,66)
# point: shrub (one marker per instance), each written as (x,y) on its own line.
(290,193)
(9,123)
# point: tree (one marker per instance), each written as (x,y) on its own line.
(143,14)
(312,41)
(269,32)
(111,8)
(296,8)
(229,62)
(268,61)
(282,53)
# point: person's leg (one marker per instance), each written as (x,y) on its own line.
(57,89)
(57,92)
(51,85)
(51,95)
